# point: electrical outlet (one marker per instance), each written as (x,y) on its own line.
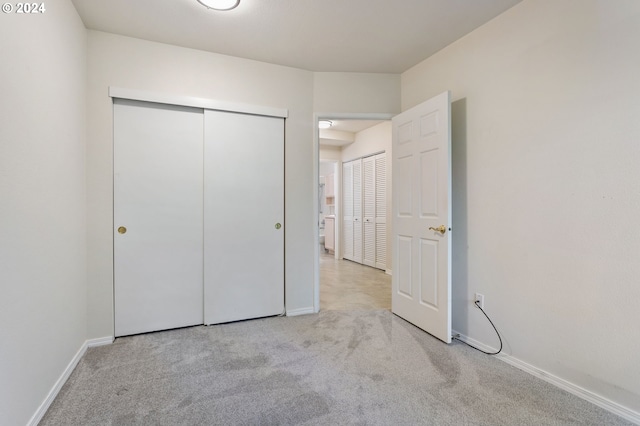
(480,299)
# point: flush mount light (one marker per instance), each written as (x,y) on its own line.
(220,4)
(324,124)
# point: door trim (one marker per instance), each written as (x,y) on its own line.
(316,164)
(190,101)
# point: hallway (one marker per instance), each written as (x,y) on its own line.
(346,285)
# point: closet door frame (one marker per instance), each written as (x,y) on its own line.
(193,102)
(190,101)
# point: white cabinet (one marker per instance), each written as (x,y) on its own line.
(330,233)
(364,218)
(329,190)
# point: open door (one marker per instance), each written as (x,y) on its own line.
(422,216)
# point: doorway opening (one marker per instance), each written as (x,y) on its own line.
(342,284)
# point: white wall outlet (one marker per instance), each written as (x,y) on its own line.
(480,299)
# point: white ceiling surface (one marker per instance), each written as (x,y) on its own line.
(353,126)
(343,132)
(377,36)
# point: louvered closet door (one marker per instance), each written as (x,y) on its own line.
(369,207)
(244,216)
(347,219)
(381,210)
(357,211)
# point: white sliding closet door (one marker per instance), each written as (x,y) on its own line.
(244,216)
(157,216)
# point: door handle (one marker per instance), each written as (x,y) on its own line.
(441,229)
(278,226)
(122,230)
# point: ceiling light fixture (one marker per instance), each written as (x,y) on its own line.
(220,4)
(324,124)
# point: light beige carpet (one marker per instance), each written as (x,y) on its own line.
(338,367)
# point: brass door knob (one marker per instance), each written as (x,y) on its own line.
(122,230)
(278,226)
(441,229)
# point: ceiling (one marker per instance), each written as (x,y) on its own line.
(343,132)
(376,36)
(353,126)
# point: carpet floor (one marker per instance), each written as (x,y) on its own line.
(336,367)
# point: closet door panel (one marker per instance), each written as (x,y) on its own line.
(369,210)
(381,210)
(347,219)
(357,211)
(369,244)
(157,236)
(244,216)
(357,241)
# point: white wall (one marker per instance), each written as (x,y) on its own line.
(339,92)
(333,153)
(137,64)
(371,141)
(327,168)
(547,185)
(43,204)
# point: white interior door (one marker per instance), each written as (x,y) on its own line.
(421,205)
(244,216)
(158,199)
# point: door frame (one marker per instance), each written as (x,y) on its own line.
(316,182)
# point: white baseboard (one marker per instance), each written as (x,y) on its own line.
(594,398)
(101,341)
(388,272)
(300,311)
(40,412)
